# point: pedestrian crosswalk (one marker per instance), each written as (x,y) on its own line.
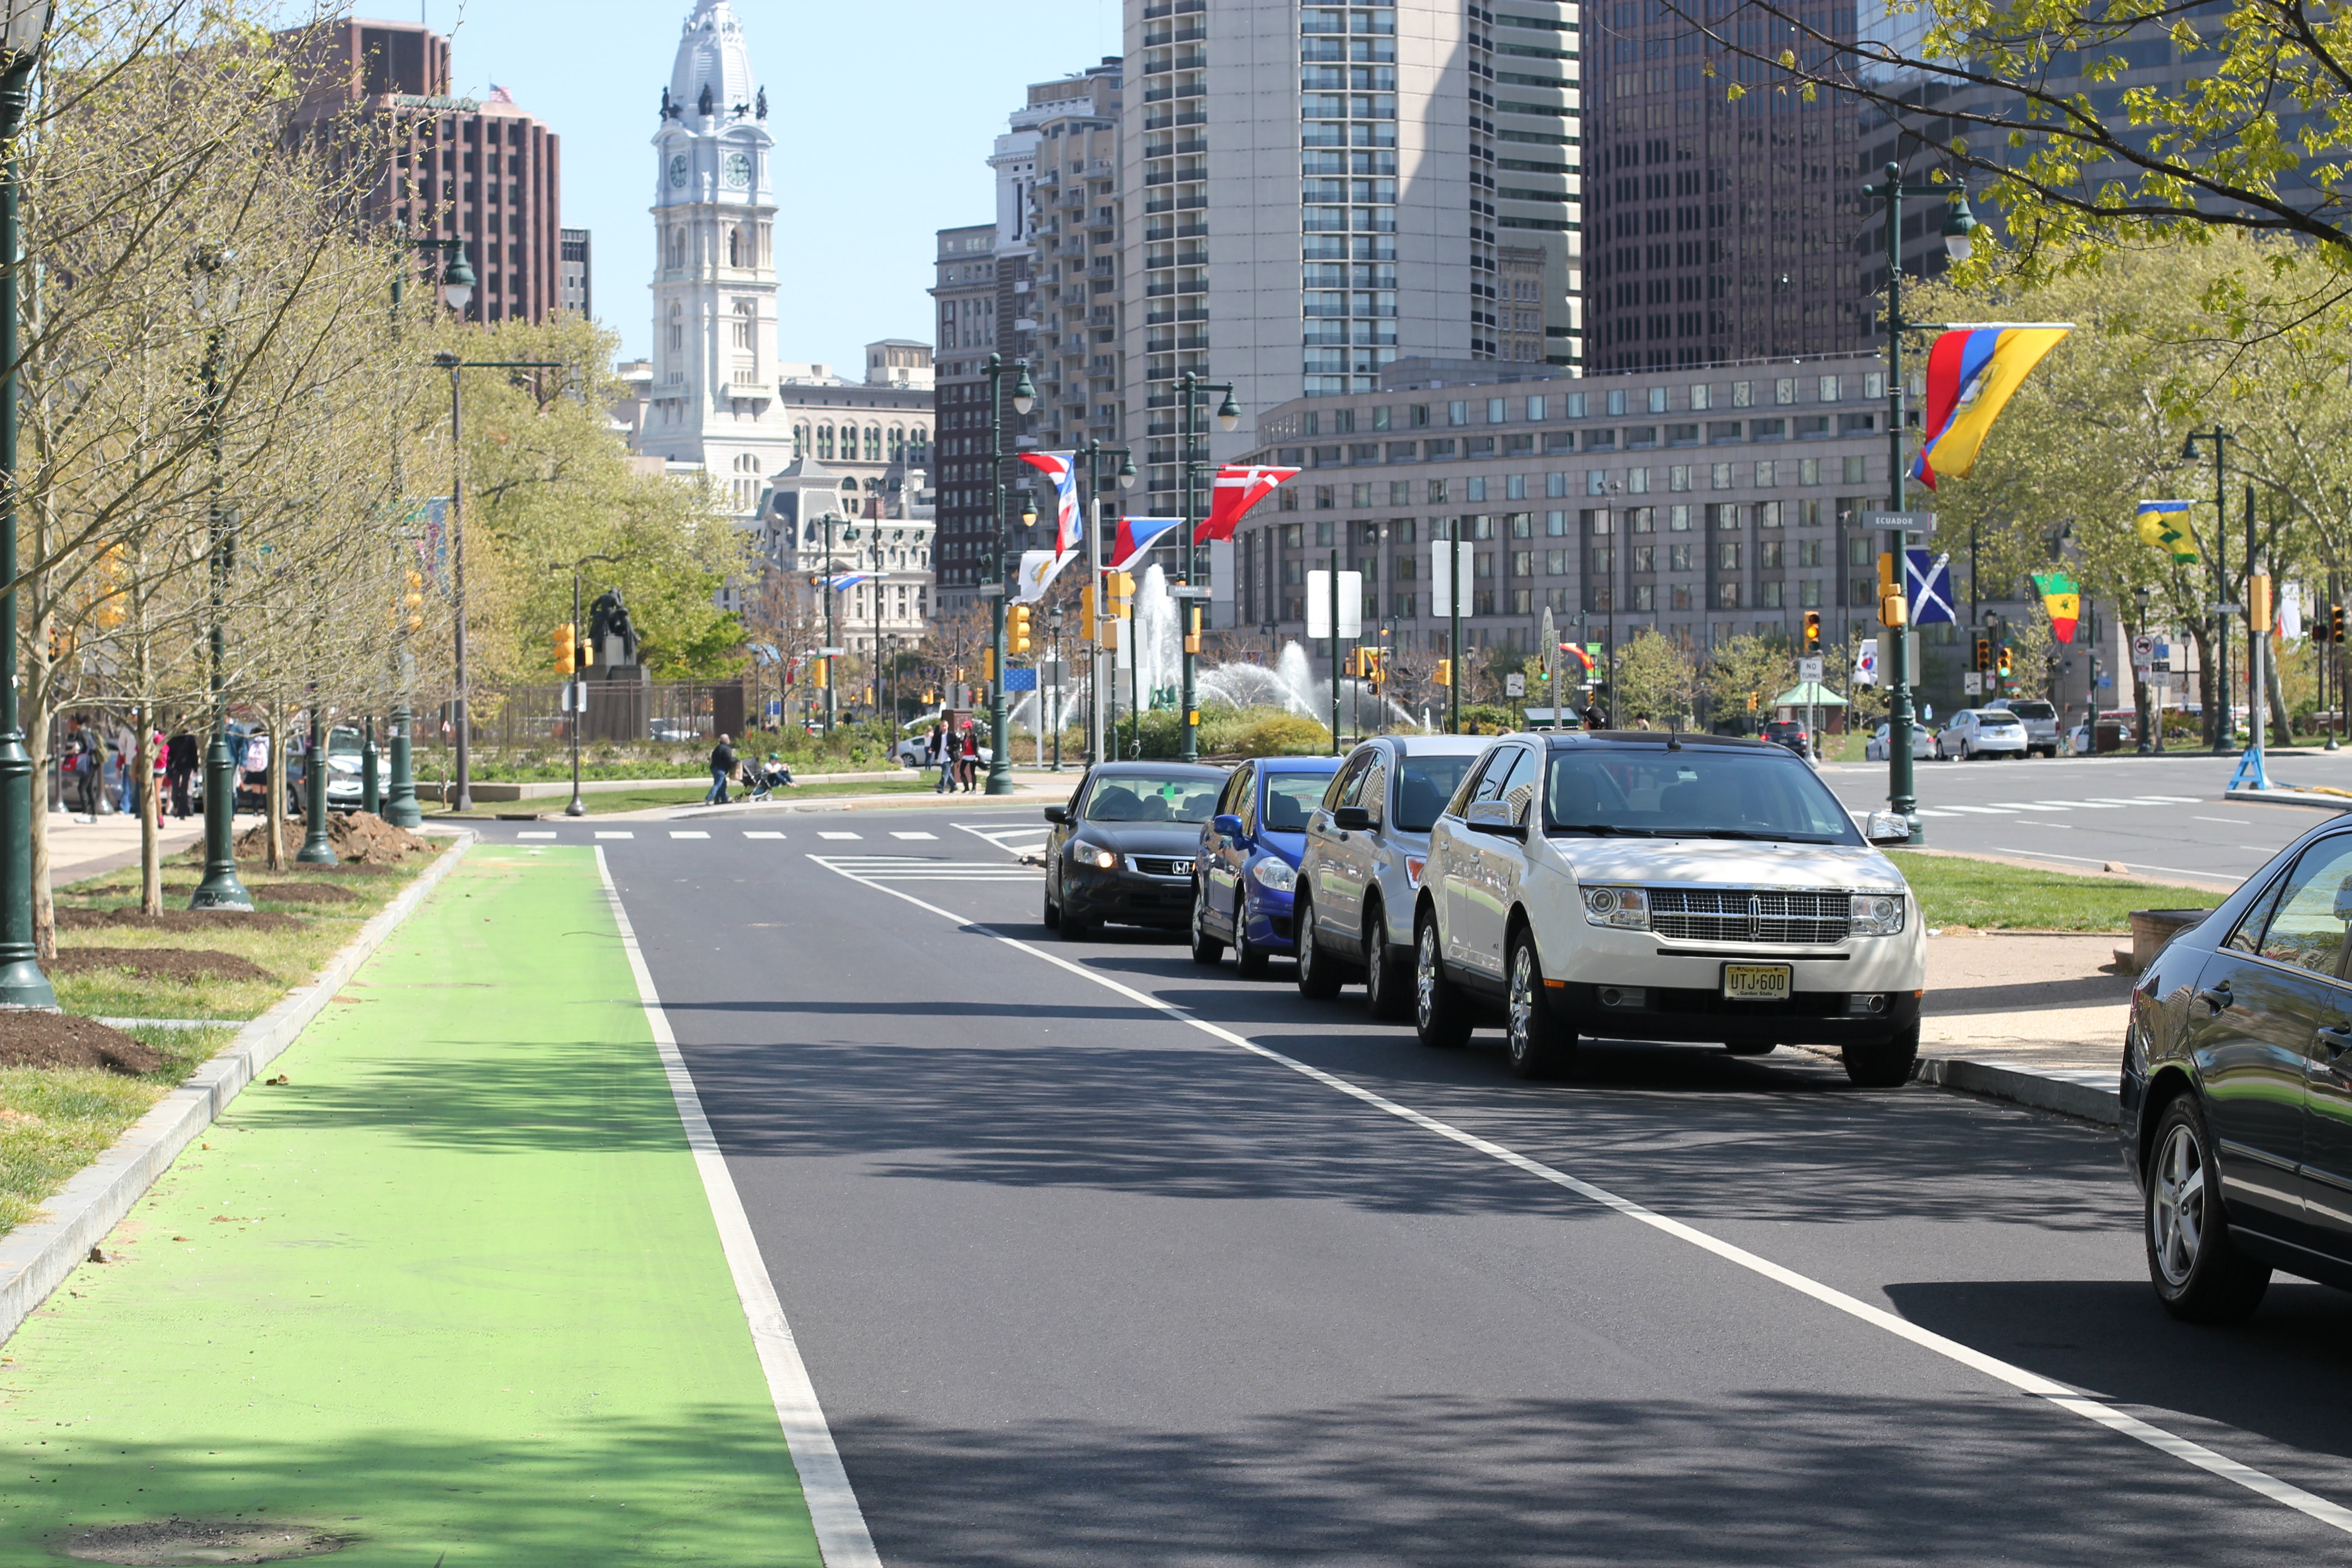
(915,868)
(2101,802)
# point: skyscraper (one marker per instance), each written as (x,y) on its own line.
(713,399)
(483,170)
(1436,148)
(577,296)
(1722,228)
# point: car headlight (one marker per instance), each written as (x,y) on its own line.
(1094,855)
(1876,914)
(1626,907)
(1275,874)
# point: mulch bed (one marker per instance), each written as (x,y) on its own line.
(364,846)
(159,962)
(175,919)
(56,1040)
(303,892)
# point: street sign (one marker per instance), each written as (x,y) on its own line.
(1971,683)
(2143,649)
(1440,586)
(831,652)
(775,707)
(1016,679)
(1318,604)
(1808,669)
(1515,685)
(1900,521)
(1052,674)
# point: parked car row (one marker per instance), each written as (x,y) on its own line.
(1580,884)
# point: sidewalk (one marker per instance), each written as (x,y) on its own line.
(79,849)
(2035,1019)
(452,1291)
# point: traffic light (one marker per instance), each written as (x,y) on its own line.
(413,601)
(1812,631)
(565,648)
(1984,655)
(2258,602)
(1191,628)
(1122,593)
(2336,623)
(2004,661)
(1891,607)
(1444,676)
(1751,702)
(1087,612)
(1016,630)
(988,665)
(824,670)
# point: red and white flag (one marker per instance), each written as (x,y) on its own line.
(1063,469)
(1239,486)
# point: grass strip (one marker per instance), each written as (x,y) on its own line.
(1990,895)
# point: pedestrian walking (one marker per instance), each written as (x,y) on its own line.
(179,770)
(939,752)
(722,768)
(81,763)
(1593,718)
(968,761)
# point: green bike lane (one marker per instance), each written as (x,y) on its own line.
(454,1290)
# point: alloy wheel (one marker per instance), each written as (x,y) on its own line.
(2179,1205)
(1424,974)
(1522,1003)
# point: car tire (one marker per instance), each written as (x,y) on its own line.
(1535,1043)
(1388,982)
(1249,961)
(1886,1065)
(2198,1271)
(1206,948)
(1053,916)
(1441,1013)
(1319,978)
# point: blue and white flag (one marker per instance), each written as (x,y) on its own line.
(1927,584)
(1136,537)
(1061,468)
(841,580)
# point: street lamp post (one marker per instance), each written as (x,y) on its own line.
(1025,398)
(1096,452)
(464,800)
(457,285)
(1229,414)
(2140,676)
(220,889)
(318,848)
(1959,227)
(2221,436)
(22,983)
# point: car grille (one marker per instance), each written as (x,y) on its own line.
(1162,866)
(1748,914)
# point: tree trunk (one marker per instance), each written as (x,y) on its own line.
(150,837)
(275,783)
(2276,683)
(2202,634)
(37,711)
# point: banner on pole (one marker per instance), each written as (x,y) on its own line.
(1319,605)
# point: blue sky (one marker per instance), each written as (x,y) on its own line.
(882,115)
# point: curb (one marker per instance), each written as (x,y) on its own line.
(2095,1096)
(2284,796)
(36,1258)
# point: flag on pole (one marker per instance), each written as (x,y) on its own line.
(1239,486)
(1069,530)
(1136,537)
(2060,597)
(1038,568)
(1971,372)
(1928,580)
(1576,651)
(840,580)
(1865,662)
(2165,525)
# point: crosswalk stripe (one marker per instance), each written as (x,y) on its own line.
(2112,800)
(1979,810)
(894,834)
(2027,805)
(610,833)
(2168,800)
(840,836)
(2086,804)
(534,835)
(687,833)
(761,832)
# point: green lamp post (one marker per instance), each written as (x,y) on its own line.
(1025,398)
(22,983)
(1229,416)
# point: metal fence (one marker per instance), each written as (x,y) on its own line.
(521,717)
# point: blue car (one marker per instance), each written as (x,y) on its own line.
(1249,859)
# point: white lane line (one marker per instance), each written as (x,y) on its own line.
(687,833)
(840,836)
(2019,1378)
(2084,805)
(908,868)
(1026,840)
(761,832)
(2027,805)
(534,835)
(1922,810)
(2225,821)
(2168,800)
(2110,800)
(1978,810)
(614,833)
(896,833)
(833,1511)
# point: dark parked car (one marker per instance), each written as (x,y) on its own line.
(1249,856)
(2236,1087)
(1122,850)
(1792,733)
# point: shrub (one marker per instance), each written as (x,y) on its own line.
(1283,735)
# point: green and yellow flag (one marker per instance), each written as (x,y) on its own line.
(2061,599)
(2165,525)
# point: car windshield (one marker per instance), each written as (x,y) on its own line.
(1428,783)
(1147,797)
(1290,799)
(1698,792)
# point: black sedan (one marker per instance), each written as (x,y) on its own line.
(1122,851)
(2236,1087)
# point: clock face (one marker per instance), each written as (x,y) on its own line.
(677,168)
(739,170)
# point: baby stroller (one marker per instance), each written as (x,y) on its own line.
(760,781)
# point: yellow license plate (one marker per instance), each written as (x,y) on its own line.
(1756,982)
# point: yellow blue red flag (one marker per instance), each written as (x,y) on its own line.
(1971,371)
(2165,524)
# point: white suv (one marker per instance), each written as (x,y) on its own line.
(1669,887)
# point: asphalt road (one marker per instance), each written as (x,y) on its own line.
(2164,816)
(1098,1257)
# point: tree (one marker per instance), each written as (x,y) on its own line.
(1744,666)
(1655,680)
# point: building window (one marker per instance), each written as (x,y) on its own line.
(824,442)
(677,330)
(746,327)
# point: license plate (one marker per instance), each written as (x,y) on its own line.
(1756,982)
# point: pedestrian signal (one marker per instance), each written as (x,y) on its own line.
(1016,629)
(565,649)
(1444,676)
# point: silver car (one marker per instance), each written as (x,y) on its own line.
(1361,869)
(2039,717)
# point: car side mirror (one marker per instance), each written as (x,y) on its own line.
(1493,816)
(1057,814)
(1887,828)
(1352,819)
(1228,825)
